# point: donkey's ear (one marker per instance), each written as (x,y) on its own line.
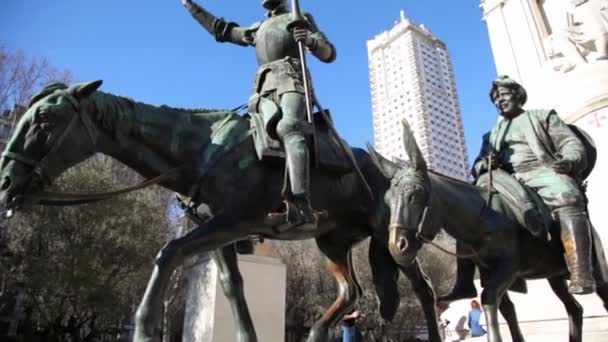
(83,90)
(387,167)
(411,148)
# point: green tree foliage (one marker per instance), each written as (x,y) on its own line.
(83,269)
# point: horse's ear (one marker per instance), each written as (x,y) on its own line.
(411,148)
(85,89)
(387,167)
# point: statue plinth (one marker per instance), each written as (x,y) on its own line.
(208,317)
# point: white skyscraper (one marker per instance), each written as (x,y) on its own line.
(412,77)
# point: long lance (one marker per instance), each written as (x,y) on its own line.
(299,21)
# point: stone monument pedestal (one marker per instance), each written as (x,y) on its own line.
(208,317)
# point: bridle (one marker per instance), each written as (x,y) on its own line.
(420,234)
(40,167)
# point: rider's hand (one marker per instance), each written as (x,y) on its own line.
(303,35)
(484,164)
(564,166)
(187,3)
(492,159)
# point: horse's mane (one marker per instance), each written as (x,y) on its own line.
(114,111)
(117,112)
(454,180)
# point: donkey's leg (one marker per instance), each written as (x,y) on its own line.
(507,309)
(573,308)
(602,292)
(339,263)
(500,279)
(426,295)
(232,284)
(385,275)
(491,314)
(207,237)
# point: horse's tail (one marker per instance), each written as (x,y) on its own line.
(385,275)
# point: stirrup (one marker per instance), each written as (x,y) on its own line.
(293,217)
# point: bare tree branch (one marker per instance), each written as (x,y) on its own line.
(21,77)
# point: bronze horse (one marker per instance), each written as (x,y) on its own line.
(422,202)
(212,152)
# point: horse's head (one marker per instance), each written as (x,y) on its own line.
(52,135)
(407,198)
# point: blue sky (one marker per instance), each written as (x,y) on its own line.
(154,52)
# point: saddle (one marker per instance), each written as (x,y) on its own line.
(515,193)
(524,202)
(330,155)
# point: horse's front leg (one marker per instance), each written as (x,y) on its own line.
(232,284)
(207,237)
(339,263)
(426,295)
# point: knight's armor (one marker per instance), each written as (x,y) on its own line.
(278,93)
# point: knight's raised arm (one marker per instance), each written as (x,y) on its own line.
(321,47)
(222,30)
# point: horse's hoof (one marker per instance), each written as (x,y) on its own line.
(318,336)
(142,337)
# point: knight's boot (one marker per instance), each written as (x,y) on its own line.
(299,213)
(576,237)
(464,286)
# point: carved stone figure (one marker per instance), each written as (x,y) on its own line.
(279,94)
(582,36)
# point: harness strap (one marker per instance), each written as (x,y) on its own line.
(66,198)
(251,99)
(420,236)
(19,157)
(41,166)
(441,248)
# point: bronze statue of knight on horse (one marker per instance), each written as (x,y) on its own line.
(211,156)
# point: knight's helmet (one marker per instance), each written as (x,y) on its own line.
(272,4)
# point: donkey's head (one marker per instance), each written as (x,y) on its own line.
(52,135)
(407,198)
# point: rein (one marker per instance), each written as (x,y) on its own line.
(441,248)
(420,236)
(66,198)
